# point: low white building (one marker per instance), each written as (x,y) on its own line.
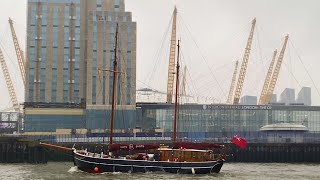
(284,132)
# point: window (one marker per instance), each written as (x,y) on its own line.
(116,5)
(99,5)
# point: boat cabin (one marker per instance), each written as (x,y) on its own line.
(185,155)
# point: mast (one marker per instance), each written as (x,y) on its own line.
(176,98)
(113,85)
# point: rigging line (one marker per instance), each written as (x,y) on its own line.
(8,102)
(185,59)
(299,57)
(5,37)
(183,30)
(123,67)
(149,86)
(183,63)
(188,59)
(157,54)
(188,73)
(290,66)
(192,97)
(228,65)
(13,76)
(203,58)
(121,98)
(8,56)
(100,75)
(259,48)
(157,66)
(259,42)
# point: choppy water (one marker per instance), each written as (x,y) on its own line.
(60,170)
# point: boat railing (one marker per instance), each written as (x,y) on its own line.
(64,139)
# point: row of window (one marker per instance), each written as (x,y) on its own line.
(56,17)
(199,120)
(54,1)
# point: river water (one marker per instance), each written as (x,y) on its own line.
(66,170)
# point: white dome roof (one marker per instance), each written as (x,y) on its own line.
(284,127)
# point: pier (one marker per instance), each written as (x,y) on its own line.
(20,150)
(276,153)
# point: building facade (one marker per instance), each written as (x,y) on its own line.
(248,100)
(287,96)
(273,98)
(304,96)
(53,51)
(68,42)
(206,121)
(102,21)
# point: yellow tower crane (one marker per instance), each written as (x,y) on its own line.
(7,77)
(267,80)
(172,57)
(244,65)
(276,71)
(233,82)
(19,53)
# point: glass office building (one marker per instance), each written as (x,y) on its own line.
(225,120)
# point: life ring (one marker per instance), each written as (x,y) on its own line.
(130,146)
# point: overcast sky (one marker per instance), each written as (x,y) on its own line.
(213,36)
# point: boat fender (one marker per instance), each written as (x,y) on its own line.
(96,169)
(193,171)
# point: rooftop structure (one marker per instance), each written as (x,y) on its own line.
(248,100)
(287,96)
(284,127)
(304,96)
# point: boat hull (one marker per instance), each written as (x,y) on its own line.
(99,165)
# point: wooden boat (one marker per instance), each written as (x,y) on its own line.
(162,159)
(179,157)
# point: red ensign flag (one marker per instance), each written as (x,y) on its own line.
(239,141)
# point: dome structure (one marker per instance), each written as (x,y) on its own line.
(284,127)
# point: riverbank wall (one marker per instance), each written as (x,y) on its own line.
(21,150)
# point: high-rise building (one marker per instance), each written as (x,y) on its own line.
(287,96)
(67,42)
(273,98)
(101,28)
(304,96)
(70,38)
(53,51)
(248,100)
